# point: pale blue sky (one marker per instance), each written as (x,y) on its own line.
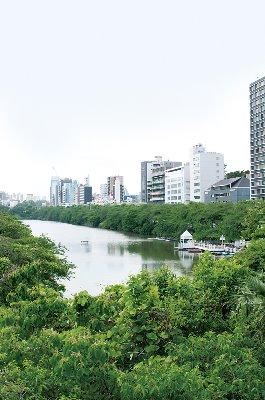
(97,86)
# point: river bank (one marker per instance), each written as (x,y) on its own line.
(204,221)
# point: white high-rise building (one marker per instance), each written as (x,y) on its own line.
(177,184)
(55,191)
(63,191)
(206,168)
(257,139)
(116,188)
(68,191)
(156,184)
(83,193)
(104,189)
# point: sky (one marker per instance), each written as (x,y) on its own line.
(95,87)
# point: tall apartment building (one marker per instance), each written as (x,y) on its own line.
(68,188)
(156,185)
(104,189)
(206,168)
(84,193)
(55,191)
(146,175)
(62,191)
(177,184)
(116,188)
(119,190)
(257,139)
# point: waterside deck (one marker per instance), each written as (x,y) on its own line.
(199,247)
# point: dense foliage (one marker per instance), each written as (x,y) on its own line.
(157,338)
(236,174)
(205,221)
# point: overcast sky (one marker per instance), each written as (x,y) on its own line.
(94,87)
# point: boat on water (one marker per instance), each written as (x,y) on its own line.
(84,242)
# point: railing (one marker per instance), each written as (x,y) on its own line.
(203,246)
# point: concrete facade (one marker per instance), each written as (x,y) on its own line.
(206,168)
(116,188)
(54,191)
(177,184)
(146,176)
(156,186)
(257,139)
(230,190)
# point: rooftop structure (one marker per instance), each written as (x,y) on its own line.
(230,190)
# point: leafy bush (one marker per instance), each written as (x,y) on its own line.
(158,337)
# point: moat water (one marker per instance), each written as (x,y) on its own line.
(109,257)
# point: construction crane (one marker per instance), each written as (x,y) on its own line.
(54,171)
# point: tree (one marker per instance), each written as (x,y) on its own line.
(157,337)
(237,174)
(253,256)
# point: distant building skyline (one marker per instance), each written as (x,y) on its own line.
(67,191)
(158,177)
(181,181)
(81,110)
(12,199)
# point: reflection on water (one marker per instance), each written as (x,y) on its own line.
(87,247)
(155,249)
(156,254)
(115,249)
(187,260)
(105,258)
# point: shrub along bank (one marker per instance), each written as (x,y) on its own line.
(204,221)
(159,337)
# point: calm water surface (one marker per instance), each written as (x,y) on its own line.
(109,257)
